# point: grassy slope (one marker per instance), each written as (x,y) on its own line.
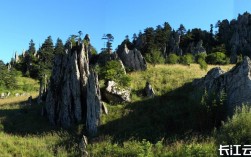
(172,116)
(124,132)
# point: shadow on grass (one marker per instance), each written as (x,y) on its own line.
(22,119)
(176,114)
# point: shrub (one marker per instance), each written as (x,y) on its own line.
(172,59)
(202,63)
(155,58)
(113,70)
(237,129)
(187,59)
(200,56)
(217,58)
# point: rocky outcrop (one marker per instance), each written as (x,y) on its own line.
(115,94)
(149,92)
(174,44)
(105,57)
(207,82)
(236,84)
(236,36)
(132,59)
(198,49)
(93,104)
(73,93)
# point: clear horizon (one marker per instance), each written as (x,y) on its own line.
(24,20)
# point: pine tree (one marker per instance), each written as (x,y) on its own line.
(59,47)
(32,48)
(47,52)
(109,39)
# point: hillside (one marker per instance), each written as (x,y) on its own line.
(130,129)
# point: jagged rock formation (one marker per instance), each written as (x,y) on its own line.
(115,94)
(149,92)
(73,93)
(207,82)
(93,104)
(132,59)
(236,35)
(198,49)
(105,57)
(236,83)
(16,57)
(174,44)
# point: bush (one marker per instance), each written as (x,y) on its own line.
(113,70)
(187,59)
(155,58)
(172,59)
(200,56)
(237,129)
(202,63)
(217,58)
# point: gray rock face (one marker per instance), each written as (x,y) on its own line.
(199,48)
(132,59)
(93,104)
(73,93)
(236,84)
(149,92)
(208,81)
(115,94)
(236,35)
(174,44)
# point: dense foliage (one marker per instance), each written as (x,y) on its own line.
(7,77)
(113,70)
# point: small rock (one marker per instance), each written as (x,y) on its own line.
(17,94)
(83,145)
(2,95)
(104,108)
(149,92)
(29,100)
(8,94)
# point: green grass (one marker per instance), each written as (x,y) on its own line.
(24,132)
(24,85)
(173,123)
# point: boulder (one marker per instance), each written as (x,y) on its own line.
(132,59)
(149,92)
(236,84)
(115,94)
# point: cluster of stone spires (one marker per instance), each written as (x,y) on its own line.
(24,53)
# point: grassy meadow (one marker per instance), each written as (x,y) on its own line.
(173,123)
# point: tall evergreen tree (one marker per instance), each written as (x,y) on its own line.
(47,52)
(32,48)
(59,47)
(109,37)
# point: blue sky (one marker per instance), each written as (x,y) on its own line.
(23,20)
